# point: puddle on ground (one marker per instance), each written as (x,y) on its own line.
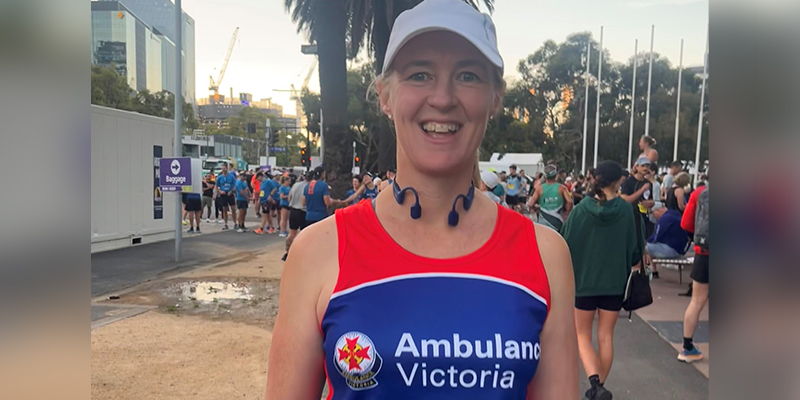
(244,299)
(215,291)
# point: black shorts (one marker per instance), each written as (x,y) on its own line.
(242,204)
(592,303)
(194,205)
(700,269)
(512,200)
(284,207)
(226,200)
(265,208)
(297,219)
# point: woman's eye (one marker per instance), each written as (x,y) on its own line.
(419,77)
(469,77)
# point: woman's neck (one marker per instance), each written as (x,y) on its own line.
(610,193)
(436,194)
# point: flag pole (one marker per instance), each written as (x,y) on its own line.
(700,118)
(633,99)
(649,82)
(586,107)
(599,86)
(678,107)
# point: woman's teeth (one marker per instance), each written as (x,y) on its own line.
(439,130)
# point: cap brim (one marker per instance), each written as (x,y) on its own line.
(432,24)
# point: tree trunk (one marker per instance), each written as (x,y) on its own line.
(387,151)
(331,24)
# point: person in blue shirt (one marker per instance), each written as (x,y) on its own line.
(276,198)
(351,192)
(225,196)
(283,192)
(316,197)
(370,190)
(514,183)
(195,209)
(242,194)
(266,199)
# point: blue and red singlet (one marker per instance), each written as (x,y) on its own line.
(411,327)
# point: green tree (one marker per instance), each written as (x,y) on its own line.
(554,67)
(109,89)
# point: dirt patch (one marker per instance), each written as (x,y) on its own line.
(264,265)
(164,356)
(241,299)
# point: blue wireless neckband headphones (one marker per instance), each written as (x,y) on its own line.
(416,209)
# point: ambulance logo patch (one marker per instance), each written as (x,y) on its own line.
(357,360)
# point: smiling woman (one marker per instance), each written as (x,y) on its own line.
(350,317)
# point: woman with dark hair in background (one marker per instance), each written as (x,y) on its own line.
(601,235)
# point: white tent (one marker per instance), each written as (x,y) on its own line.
(530,162)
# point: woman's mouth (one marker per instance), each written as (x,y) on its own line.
(439,130)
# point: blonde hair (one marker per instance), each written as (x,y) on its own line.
(682,179)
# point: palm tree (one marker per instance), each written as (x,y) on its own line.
(325,21)
(371,24)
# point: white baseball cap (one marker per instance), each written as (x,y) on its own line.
(445,15)
(489,178)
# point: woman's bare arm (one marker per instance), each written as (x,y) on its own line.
(295,368)
(680,196)
(557,375)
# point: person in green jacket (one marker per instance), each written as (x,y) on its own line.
(601,234)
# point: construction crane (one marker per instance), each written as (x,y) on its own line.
(294,94)
(214,85)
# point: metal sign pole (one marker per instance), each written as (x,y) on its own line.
(178,114)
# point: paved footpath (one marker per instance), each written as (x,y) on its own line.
(118,269)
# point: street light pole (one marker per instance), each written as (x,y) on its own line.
(177,150)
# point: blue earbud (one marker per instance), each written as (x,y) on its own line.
(416,209)
(452,218)
(400,196)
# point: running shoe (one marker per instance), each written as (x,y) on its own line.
(185,222)
(689,356)
(191,230)
(208,221)
(225,228)
(240,230)
(270,230)
(259,231)
(602,394)
(197,230)
(283,234)
(219,221)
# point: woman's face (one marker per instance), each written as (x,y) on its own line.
(440,96)
(642,144)
(356,183)
(366,179)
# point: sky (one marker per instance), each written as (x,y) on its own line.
(267,53)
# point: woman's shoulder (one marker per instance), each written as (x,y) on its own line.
(314,246)
(556,258)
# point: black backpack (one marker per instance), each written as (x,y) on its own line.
(701,221)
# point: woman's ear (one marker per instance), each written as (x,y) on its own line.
(497,102)
(383,98)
